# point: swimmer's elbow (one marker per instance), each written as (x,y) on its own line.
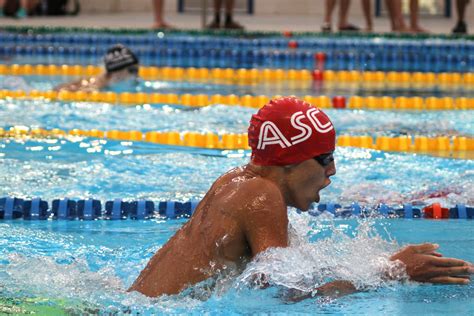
(69,87)
(144,290)
(336,289)
(151,288)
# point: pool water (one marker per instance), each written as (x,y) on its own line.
(296,87)
(77,267)
(87,266)
(221,118)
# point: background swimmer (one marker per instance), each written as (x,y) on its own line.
(121,65)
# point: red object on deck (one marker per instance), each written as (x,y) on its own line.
(318,75)
(288,34)
(292,44)
(339,102)
(435,211)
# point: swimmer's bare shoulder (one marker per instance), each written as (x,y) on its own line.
(262,212)
(252,205)
(85,84)
(255,203)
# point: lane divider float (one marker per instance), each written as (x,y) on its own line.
(203,100)
(234,141)
(249,76)
(12,208)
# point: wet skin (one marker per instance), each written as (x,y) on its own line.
(243,213)
(95,83)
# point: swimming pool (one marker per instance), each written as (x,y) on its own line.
(86,266)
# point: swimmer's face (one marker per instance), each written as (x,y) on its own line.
(306,179)
(124,74)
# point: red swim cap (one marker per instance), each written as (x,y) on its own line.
(288,131)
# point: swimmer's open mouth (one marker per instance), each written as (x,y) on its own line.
(317,199)
(325,185)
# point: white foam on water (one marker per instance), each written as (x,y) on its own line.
(361,257)
(74,286)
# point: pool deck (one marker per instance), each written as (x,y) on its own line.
(255,22)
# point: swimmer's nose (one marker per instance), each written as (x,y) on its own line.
(331,169)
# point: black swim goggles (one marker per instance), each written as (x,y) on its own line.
(133,70)
(325,159)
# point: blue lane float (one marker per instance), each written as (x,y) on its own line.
(11,208)
(64,209)
(454,47)
(191,51)
(375,60)
(35,209)
(118,209)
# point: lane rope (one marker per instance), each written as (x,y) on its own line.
(231,141)
(12,208)
(250,101)
(254,76)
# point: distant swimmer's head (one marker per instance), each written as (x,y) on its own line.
(291,133)
(121,63)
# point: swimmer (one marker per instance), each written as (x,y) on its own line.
(121,65)
(245,210)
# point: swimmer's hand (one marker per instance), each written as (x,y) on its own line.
(424,264)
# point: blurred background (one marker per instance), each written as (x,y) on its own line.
(436,16)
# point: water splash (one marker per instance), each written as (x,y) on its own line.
(360,256)
(74,287)
(319,251)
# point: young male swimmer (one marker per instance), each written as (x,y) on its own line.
(245,210)
(121,65)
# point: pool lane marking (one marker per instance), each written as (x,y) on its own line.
(250,76)
(202,100)
(231,141)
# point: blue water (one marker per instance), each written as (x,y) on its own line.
(87,266)
(108,169)
(91,264)
(222,119)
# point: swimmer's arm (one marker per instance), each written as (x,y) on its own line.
(69,86)
(422,263)
(84,84)
(268,227)
(265,225)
